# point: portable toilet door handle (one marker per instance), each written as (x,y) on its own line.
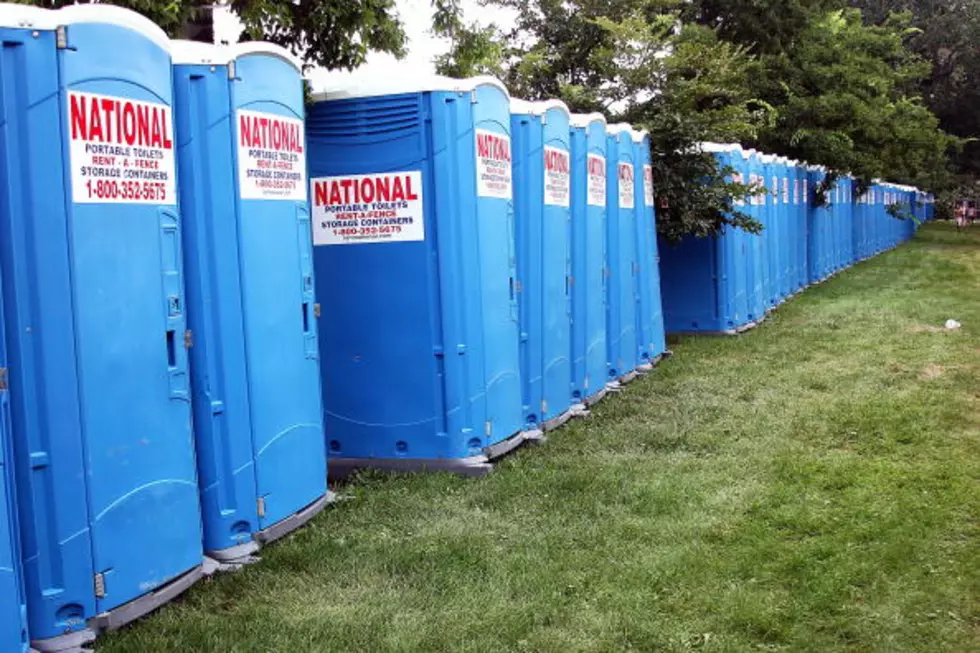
(176,356)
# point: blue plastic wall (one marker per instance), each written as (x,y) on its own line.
(621,255)
(588,144)
(249,270)
(13,610)
(419,340)
(542,168)
(93,296)
(651,338)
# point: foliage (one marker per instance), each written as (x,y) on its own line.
(636,63)
(329,33)
(947,38)
(839,89)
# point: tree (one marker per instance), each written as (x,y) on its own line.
(329,33)
(635,62)
(947,38)
(844,94)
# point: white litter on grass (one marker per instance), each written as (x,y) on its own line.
(952,324)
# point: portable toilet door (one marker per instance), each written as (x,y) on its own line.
(249,267)
(416,268)
(542,201)
(621,267)
(786,230)
(751,243)
(798,230)
(93,291)
(13,611)
(770,235)
(736,250)
(588,145)
(650,336)
(858,226)
(815,255)
(844,217)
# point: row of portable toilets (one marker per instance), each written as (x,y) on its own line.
(728,283)
(172,221)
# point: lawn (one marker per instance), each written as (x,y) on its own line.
(813,485)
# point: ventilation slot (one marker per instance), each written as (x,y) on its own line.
(368,117)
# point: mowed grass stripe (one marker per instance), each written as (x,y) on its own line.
(810,486)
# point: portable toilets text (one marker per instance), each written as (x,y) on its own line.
(271,157)
(596,185)
(121,150)
(626,188)
(557,177)
(372,208)
(493,165)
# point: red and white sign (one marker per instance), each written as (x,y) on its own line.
(796,191)
(775,190)
(557,177)
(627,191)
(385,207)
(271,157)
(737,178)
(493,165)
(648,185)
(122,150)
(806,191)
(785,190)
(596,180)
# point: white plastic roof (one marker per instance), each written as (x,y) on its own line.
(585,119)
(247,48)
(521,106)
(638,135)
(27,17)
(357,86)
(708,146)
(197,53)
(112,15)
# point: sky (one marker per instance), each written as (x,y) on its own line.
(416,15)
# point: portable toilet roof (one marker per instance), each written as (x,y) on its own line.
(198,53)
(376,86)
(585,119)
(17,16)
(708,146)
(118,16)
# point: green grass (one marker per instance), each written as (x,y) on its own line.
(813,485)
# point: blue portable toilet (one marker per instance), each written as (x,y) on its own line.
(621,255)
(786,229)
(249,265)
(413,231)
(93,299)
(650,334)
(588,146)
(759,283)
(752,245)
(705,280)
(846,216)
(859,226)
(798,230)
(816,229)
(770,233)
(542,207)
(13,610)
